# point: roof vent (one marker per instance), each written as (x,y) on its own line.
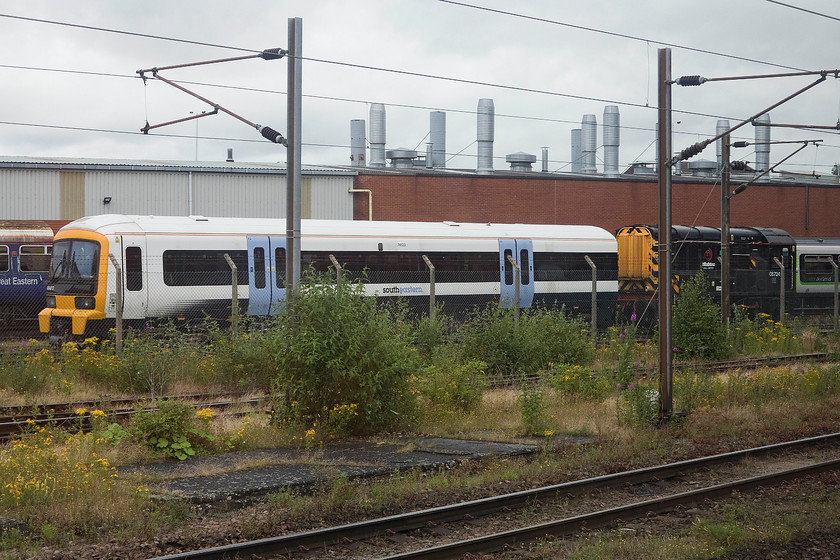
(401,158)
(520,161)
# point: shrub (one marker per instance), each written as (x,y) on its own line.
(576,381)
(532,404)
(544,336)
(638,405)
(762,335)
(169,428)
(334,347)
(697,331)
(453,385)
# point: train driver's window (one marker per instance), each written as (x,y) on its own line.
(34,258)
(4,258)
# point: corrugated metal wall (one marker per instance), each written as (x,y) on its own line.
(60,194)
(29,194)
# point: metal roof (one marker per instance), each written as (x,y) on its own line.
(85,164)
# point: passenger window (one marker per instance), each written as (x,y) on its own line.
(507,267)
(133,269)
(525,275)
(259,267)
(34,258)
(280,266)
(4,258)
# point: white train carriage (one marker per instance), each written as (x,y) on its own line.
(815,275)
(174,267)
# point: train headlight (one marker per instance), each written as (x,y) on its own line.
(51,301)
(85,303)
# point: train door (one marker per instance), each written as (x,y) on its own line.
(277,278)
(259,276)
(135,278)
(521,250)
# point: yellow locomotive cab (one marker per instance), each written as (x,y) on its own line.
(77,284)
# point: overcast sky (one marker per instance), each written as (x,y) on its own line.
(73,91)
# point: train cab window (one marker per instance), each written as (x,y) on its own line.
(525,276)
(133,269)
(280,266)
(35,258)
(259,267)
(508,267)
(4,258)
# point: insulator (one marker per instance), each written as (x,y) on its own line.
(272,135)
(740,144)
(272,54)
(691,80)
(738,165)
(693,150)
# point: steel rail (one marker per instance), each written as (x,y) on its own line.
(571,525)
(293,543)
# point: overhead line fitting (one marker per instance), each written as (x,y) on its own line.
(266,131)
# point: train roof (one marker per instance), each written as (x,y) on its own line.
(741,234)
(812,242)
(127,224)
(25,231)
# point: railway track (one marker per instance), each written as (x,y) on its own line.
(385,528)
(723,365)
(16,419)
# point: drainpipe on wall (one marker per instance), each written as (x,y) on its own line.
(370,200)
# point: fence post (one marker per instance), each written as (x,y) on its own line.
(431,287)
(515,292)
(594,294)
(118,303)
(781,289)
(836,298)
(234,302)
(337,266)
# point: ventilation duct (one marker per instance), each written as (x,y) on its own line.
(358,142)
(762,143)
(611,140)
(377,135)
(721,128)
(577,154)
(545,160)
(589,142)
(437,137)
(486,115)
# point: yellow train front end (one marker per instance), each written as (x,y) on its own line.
(77,287)
(638,260)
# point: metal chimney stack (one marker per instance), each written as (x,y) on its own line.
(612,122)
(545,159)
(437,137)
(762,148)
(358,143)
(577,154)
(589,142)
(377,135)
(722,126)
(486,135)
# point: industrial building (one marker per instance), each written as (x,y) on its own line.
(400,184)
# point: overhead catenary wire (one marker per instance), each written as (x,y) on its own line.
(422,75)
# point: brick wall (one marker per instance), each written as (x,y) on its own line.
(802,211)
